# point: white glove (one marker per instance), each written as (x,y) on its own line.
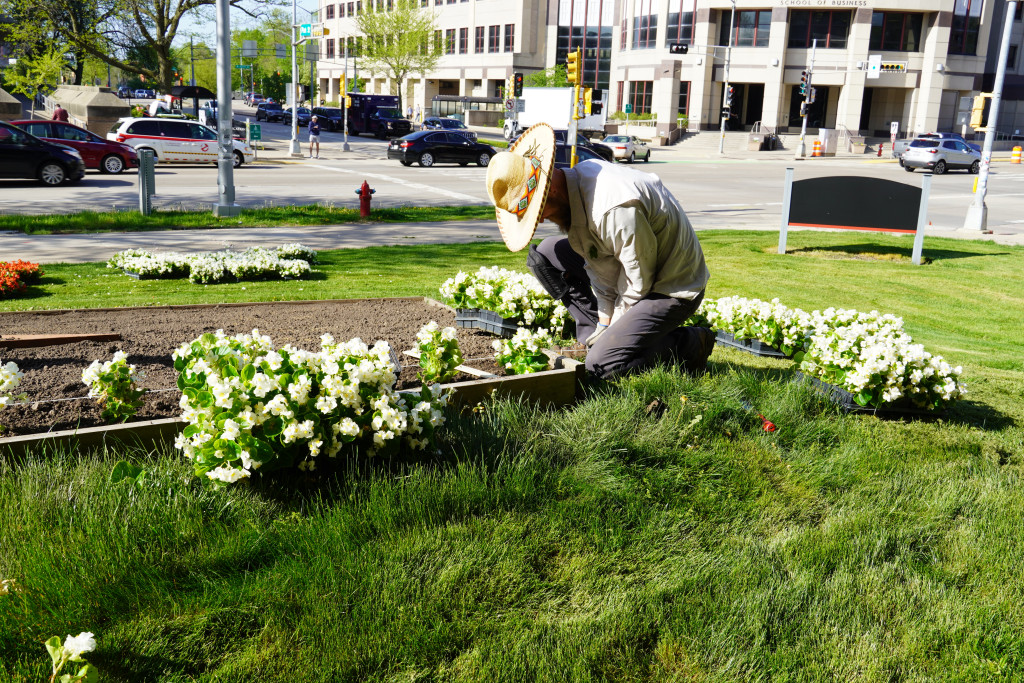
(601,327)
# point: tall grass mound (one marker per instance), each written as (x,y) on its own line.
(626,538)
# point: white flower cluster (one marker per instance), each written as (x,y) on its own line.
(524,352)
(508,293)
(872,357)
(287,261)
(249,405)
(92,374)
(439,352)
(866,353)
(10,378)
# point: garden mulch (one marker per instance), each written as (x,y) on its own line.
(53,375)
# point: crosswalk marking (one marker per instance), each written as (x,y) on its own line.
(402,181)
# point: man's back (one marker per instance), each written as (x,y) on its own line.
(60,114)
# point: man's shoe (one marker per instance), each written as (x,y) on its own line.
(700,345)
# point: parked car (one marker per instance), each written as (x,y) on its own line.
(603,151)
(563,153)
(97,153)
(176,140)
(145,93)
(253,98)
(302,113)
(269,111)
(123,92)
(900,146)
(330,118)
(628,147)
(23,155)
(940,155)
(429,147)
(444,123)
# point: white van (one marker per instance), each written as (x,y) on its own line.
(176,140)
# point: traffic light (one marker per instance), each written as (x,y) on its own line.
(596,107)
(894,67)
(813,96)
(803,109)
(588,102)
(348,101)
(726,111)
(978,111)
(572,67)
(805,81)
(728,96)
(517,88)
(678,48)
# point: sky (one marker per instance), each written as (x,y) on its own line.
(205,27)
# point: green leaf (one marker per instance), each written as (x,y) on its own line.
(273,426)
(54,647)
(125,470)
(88,674)
(248,372)
(205,399)
(863,398)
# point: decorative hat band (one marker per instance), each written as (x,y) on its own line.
(531,186)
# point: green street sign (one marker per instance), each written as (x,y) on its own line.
(305,30)
(629,108)
(255,131)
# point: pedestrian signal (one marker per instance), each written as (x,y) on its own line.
(572,67)
(978,111)
(678,48)
(588,101)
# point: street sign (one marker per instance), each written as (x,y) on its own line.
(510,104)
(629,108)
(249,48)
(305,30)
(520,106)
(255,131)
(894,129)
(243,66)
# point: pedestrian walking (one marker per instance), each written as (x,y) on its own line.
(314,136)
(408,112)
(629,267)
(60,113)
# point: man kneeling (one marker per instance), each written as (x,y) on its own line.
(630,268)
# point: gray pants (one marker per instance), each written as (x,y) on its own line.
(647,334)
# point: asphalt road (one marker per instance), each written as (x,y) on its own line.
(730,192)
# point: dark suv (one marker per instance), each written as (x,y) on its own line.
(26,156)
(269,111)
(329,118)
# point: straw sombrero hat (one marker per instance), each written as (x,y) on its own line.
(518,182)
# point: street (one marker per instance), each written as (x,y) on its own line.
(717,192)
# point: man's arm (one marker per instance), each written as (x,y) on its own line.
(635,248)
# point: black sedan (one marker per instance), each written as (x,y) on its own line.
(602,151)
(430,147)
(563,153)
(26,156)
(301,113)
(269,111)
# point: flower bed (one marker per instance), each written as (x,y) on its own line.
(16,275)
(289,261)
(866,354)
(518,299)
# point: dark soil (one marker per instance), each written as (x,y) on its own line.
(53,374)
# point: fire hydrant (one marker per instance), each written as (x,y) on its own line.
(364,192)
(881,145)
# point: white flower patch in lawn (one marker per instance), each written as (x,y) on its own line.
(291,261)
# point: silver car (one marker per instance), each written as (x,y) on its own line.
(941,155)
(628,147)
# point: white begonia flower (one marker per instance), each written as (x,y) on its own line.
(76,646)
(228,475)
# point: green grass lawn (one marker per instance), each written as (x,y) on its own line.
(594,543)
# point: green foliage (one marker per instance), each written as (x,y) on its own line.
(398,40)
(552,77)
(34,71)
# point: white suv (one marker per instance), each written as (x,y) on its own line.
(176,140)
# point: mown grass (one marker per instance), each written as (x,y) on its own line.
(597,543)
(265,217)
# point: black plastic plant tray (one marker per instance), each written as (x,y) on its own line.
(844,399)
(754,346)
(488,321)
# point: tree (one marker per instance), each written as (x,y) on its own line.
(111,29)
(33,72)
(552,77)
(398,40)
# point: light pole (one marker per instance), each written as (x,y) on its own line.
(344,98)
(801,148)
(294,151)
(725,86)
(977,212)
(225,171)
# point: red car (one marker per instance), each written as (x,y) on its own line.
(105,155)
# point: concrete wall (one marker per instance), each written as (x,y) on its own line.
(94,108)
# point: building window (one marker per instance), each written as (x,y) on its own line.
(341,10)
(684,99)
(493,38)
(830,29)
(679,28)
(330,48)
(329,14)
(623,28)
(437,41)
(1011,58)
(590,25)
(451,2)
(479,47)
(463,41)
(751,28)
(351,8)
(898,31)
(645,25)
(963,34)
(640,95)
(449,41)
(510,37)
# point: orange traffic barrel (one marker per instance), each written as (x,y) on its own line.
(1015,155)
(816,150)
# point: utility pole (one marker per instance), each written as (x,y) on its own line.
(977,212)
(725,86)
(801,148)
(192,59)
(294,150)
(344,98)
(225,171)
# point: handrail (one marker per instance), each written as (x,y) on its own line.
(759,127)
